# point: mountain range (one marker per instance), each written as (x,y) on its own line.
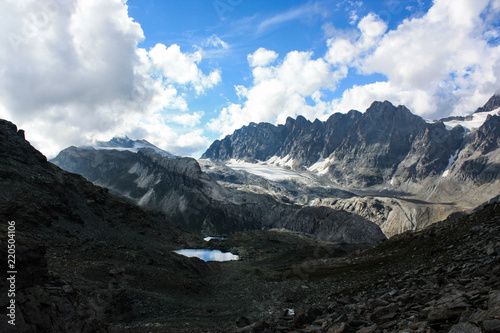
(385,165)
(195,201)
(386,145)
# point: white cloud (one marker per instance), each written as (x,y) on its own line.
(361,97)
(188,120)
(182,68)
(293,14)
(215,41)
(290,88)
(435,64)
(155,131)
(72,70)
(194,139)
(345,50)
(262,57)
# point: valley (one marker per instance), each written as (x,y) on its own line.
(233,166)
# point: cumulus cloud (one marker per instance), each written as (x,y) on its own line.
(290,88)
(262,57)
(436,64)
(72,71)
(155,131)
(344,50)
(182,68)
(189,120)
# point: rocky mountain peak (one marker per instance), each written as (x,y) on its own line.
(487,137)
(386,111)
(11,137)
(118,141)
(123,142)
(492,104)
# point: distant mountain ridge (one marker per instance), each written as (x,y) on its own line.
(385,146)
(404,172)
(386,165)
(123,142)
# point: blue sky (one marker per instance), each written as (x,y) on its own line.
(245,26)
(184,73)
(281,26)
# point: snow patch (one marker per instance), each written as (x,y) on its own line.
(450,163)
(474,121)
(321,166)
(286,161)
(267,170)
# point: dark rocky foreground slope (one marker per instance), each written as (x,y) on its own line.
(84,258)
(445,278)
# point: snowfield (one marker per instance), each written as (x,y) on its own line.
(477,120)
(267,171)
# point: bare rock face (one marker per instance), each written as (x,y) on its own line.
(394,216)
(478,162)
(333,225)
(492,104)
(378,142)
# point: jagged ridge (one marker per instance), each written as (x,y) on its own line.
(385,146)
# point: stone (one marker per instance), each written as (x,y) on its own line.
(491,250)
(494,303)
(383,311)
(368,329)
(68,289)
(376,302)
(242,322)
(341,328)
(448,307)
(491,325)
(464,328)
